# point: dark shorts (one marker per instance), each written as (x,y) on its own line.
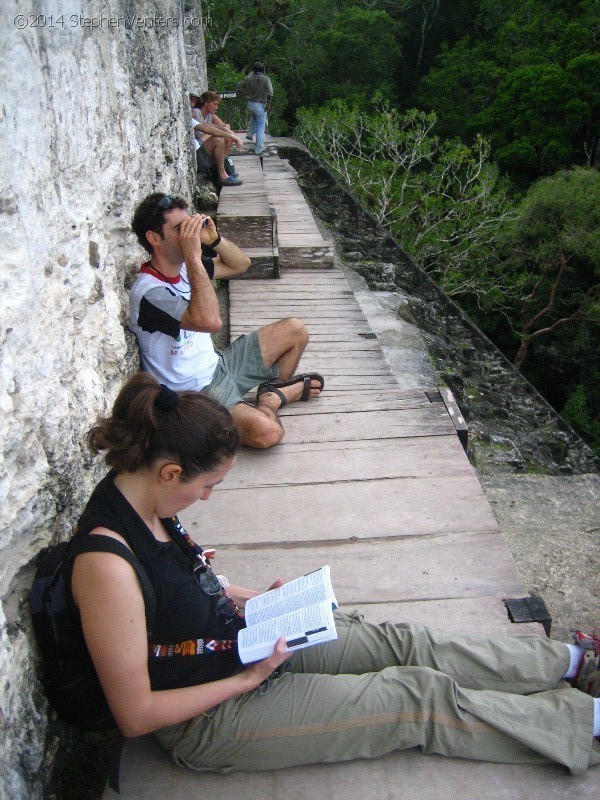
(240,368)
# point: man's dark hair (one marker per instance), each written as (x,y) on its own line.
(150,215)
(258,67)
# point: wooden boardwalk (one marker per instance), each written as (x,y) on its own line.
(299,239)
(367,474)
(373,481)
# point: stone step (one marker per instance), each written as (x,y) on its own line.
(246,217)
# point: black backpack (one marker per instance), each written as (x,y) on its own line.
(71,683)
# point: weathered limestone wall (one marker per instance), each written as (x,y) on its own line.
(94,115)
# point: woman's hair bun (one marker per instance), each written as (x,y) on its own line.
(166,399)
(149,421)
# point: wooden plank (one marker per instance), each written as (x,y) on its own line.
(298,278)
(281,298)
(368,509)
(302,240)
(356,368)
(284,307)
(335,349)
(315,462)
(318,340)
(429,567)
(309,289)
(325,326)
(375,424)
(306,260)
(480,615)
(337,360)
(336,404)
(357,383)
(344,314)
(278,291)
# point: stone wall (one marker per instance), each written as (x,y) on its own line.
(94,116)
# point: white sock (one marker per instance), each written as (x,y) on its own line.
(596,716)
(576,652)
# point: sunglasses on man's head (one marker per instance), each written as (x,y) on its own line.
(166,202)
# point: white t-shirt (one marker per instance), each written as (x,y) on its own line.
(194,123)
(179,358)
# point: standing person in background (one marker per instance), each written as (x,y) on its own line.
(258,90)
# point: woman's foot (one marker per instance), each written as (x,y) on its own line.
(587,678)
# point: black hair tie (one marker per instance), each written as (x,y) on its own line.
(166,399)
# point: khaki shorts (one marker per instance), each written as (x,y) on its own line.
(240,368)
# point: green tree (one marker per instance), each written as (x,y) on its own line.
(534,119)
(442,199)
(462,85)
(554,254)
(526,76)
(585,72)
(578,413)
(362,53)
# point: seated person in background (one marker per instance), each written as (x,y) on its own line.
(376,689)
(194,105)
(207,106)
(213,135)
(174,309)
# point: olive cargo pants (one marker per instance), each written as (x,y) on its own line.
(387,687)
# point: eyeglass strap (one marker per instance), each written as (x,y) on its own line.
(183,540)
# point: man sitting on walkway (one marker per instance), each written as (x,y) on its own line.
(174,309)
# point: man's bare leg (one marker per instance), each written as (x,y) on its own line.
(282,342)
(260,427)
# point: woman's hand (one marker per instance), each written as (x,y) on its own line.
(240,594)
(258,672)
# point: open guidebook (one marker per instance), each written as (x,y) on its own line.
(301,611)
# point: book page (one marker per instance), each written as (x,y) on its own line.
(306,590)
(301,628)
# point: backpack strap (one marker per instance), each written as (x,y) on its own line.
(97,543)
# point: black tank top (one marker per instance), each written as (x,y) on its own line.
(185,615)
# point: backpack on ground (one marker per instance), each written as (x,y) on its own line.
(206,166)
(71,683)
(229,166)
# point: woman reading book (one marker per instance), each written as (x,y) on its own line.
(377,688)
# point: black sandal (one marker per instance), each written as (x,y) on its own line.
(306,378)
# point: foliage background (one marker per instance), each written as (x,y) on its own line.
(472,130)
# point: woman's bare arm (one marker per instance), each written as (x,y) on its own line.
(110,601)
